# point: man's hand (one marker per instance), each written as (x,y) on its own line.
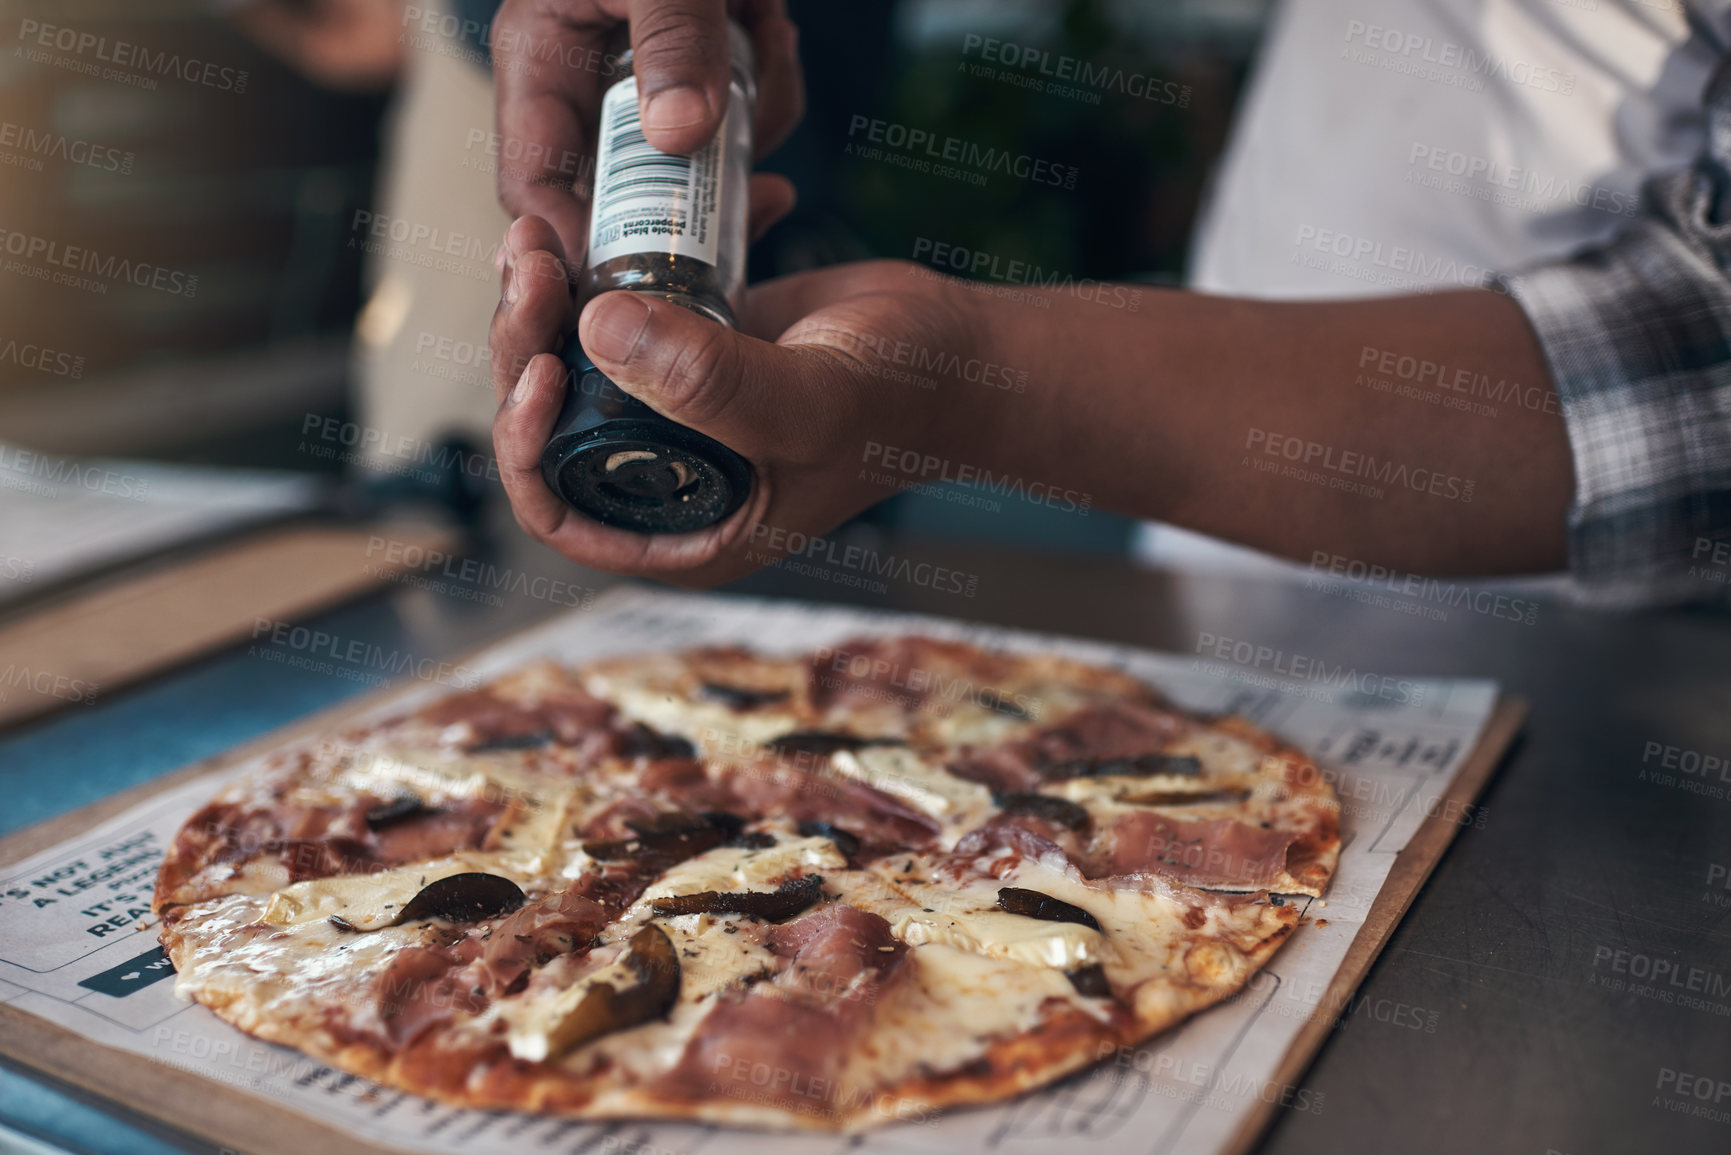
(808,384)
(551,67)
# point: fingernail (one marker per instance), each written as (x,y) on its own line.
(502,261)
(676,108)
(521,389)
(513,290)
(615,323)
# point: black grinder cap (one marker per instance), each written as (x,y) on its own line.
(615,460)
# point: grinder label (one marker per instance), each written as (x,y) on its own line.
(648,201)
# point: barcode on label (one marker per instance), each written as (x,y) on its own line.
(635,168)
(647,201)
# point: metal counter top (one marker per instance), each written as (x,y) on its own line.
(1562,983)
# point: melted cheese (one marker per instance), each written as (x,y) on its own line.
(1065,946)
(532,843)
(259,973)
(1228,763)
(737,868)
(971,724)
(534,1024)
(954,1003)
(1221,755)
(529,842)
(710,958)
(371,901)
(1153,931)
(904,774)
(969,918)
(441,774)
(643,692)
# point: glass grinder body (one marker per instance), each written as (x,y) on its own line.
(673,227)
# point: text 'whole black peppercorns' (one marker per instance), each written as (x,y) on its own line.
(673,227)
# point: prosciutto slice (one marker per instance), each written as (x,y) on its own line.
(420,990)
(784,1043)
(1221,852)
(562,923)
(566,715)
(1024,835)
(321,841)
(1097,734)
(779,786)
(1102,733)
(1005,769)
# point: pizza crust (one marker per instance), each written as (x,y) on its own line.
(1162,840)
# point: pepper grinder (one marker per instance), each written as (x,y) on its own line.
(673,227)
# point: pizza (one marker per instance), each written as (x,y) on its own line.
(823,891)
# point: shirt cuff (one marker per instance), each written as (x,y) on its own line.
(1637,336)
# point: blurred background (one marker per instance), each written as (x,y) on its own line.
(279,214)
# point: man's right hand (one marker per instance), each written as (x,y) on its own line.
(819,373)
(551,67)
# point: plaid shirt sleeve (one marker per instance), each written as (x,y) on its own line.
(1637,334)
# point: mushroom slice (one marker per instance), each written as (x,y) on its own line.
(639,988)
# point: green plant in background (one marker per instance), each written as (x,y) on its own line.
(1141,137)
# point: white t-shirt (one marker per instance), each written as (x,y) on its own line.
(1419,144)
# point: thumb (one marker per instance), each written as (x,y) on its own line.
(692,369)
(680,55)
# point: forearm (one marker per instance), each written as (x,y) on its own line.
(1283,425)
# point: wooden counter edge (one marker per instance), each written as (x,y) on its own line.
(1413,866)
(184,1101)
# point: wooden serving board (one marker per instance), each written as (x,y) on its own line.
(1412,866)
(72,650)
(234,1118)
